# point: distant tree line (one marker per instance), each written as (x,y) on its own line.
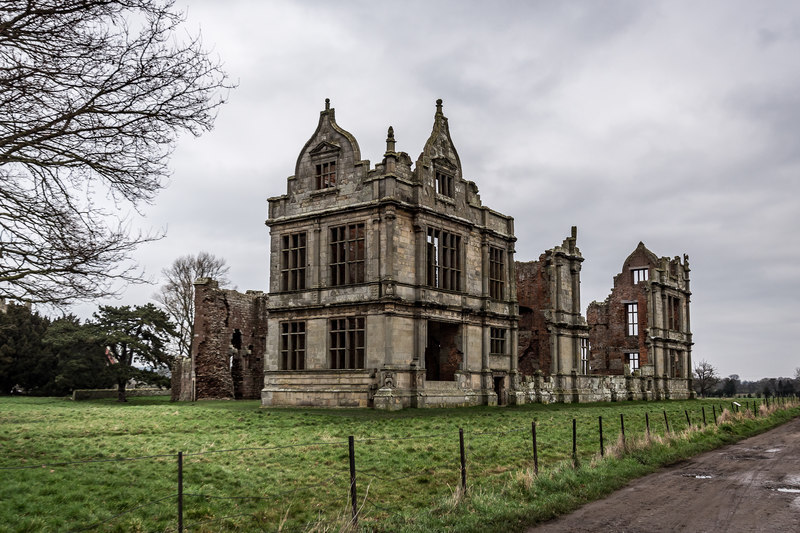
(52,357)
(708,383)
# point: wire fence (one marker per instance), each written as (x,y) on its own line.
(366,473)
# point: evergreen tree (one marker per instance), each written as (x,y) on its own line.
(137,339)
(23,358)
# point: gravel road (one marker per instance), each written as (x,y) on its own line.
(753,485)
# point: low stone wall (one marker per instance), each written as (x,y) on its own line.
(576,388)
(93,394)
(317,388)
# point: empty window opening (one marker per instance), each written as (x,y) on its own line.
(444,184)
(236,340)
(326,175)
(676,357)
(584,356)
(443,353)
(674,313)
(632,321)
(496,272)
(640,274)
(347,255)
(347,343)
(293,262)
(293,346)
(444,260)
(633,360)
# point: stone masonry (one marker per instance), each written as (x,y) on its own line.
(553,335)
(643,327)
(228,345)
(394,287)
(380,286)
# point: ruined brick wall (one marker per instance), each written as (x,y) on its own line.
(534,338)
(608,320)
(229,342)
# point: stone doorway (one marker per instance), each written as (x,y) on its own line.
(443,351)
(500,390)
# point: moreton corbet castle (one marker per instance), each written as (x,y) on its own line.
(394,287)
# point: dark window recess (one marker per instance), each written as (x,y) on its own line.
(326,175)
(293,262)
(293,345)
(347,255)
(444,184)
(497,341)
(633,360)
(347,344)
(444,260)
(674,313)
(496,272)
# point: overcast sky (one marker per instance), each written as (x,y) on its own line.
(672,123)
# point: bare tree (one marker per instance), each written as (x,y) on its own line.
(177,294)
(93,94)
(707,377)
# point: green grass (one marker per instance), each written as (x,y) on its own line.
(289,470)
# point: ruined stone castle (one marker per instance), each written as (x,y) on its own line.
(394,287)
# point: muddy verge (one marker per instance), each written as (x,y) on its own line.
(753,485)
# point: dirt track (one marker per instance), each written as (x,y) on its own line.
(731,489)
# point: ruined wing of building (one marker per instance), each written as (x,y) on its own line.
(394,287)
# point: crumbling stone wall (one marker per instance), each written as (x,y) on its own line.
(660,289)
(534,338)
(551,326)
(608,320)
(229,343)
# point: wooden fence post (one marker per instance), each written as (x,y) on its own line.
(600,422)
(574,444)
(463,461)
(353,498)
(180,492)
(535,450)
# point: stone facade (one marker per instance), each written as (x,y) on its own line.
(553,334)
(390,287)
(394,287)
(228,344)
(643,327)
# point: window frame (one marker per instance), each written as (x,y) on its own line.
(293,261)
(497,341)
(325,174)
(443,259)
(632,319)
(292,347)
(497,271)
(444,183)
(347,347)
(584,351)
(674,313)
(632,360)
(347,258)
(640,274)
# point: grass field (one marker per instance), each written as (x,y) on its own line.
(104,466)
